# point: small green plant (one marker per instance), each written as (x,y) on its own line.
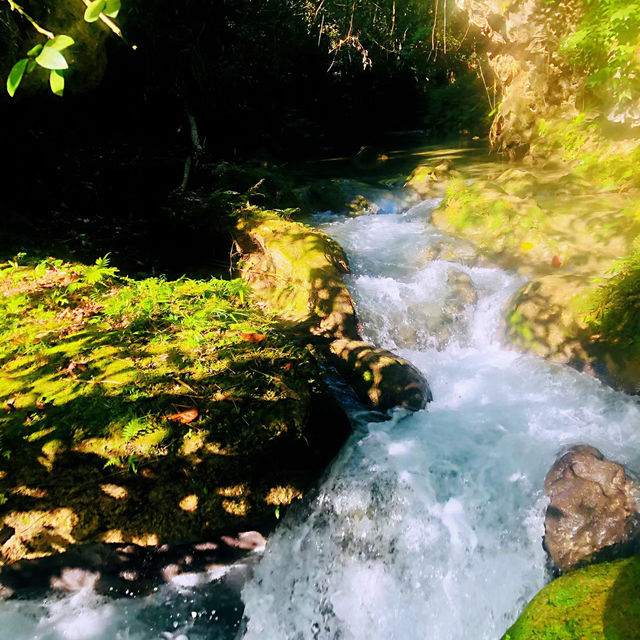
(49,55)
(615,310)
(605,44)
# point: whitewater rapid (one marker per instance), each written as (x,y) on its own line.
(429,526)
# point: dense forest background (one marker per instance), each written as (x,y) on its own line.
(267,82)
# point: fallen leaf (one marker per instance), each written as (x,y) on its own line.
(218,396)
(73,365)
(252,337)
(11,404)
(184,417)
(288,366)
(556,263)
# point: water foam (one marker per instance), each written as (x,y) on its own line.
(430,525)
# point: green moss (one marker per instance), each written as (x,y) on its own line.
(598,602)
(581,304)
(296,272)
(152,385)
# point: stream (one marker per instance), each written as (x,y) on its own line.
(426,526)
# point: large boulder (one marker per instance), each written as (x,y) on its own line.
(380,376)
(296,272)
(600,602)
(593,508)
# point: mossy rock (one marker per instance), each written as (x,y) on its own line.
(599,602)
(428,180)
(517,182)
(148,411)
(296,272)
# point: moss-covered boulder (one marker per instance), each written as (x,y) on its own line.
(297,273)
(428,180)
(567,239)
(148,411)
(600,602)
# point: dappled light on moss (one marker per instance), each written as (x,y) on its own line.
(596,602)
(156,394)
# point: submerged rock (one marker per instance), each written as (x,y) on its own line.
(428,181)
(593,508)
(594,603)
(462,293)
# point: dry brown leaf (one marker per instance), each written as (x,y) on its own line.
(184,417)
(252,337)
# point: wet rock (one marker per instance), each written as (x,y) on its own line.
(429,181)
(463,292)
(455,251)
(593,508)
(360,206)
(382,377)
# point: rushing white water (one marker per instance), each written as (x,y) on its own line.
(429,526)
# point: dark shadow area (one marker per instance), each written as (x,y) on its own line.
(621,618)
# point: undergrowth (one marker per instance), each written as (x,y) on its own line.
(615,306)
(102,363)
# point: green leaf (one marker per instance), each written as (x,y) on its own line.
(94,9)
(112,8)
(60,42)
(56,82)
(32,53)
(15,75)
(49,58)
(31,66)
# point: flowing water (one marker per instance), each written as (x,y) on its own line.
(426,526)
(430,525)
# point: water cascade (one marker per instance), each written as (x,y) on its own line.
(425,526)
(430,525)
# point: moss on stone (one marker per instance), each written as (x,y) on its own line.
(296,272)
(566,238)
(595,603)
(159,389)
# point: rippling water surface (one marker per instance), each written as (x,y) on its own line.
(427,526)
(430,525)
